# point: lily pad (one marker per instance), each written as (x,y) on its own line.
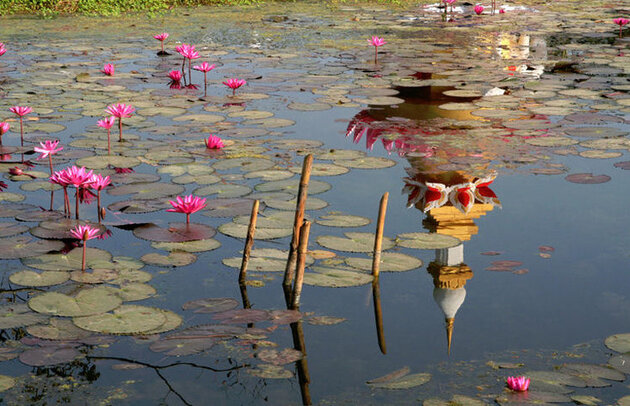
(427,241)
(67,262)
(34,279)
(587,178)
(292,186)
(325,320)
(188,246)
(176,232)
(26,247)
(177,347)
(147,191)
(336,278)
(173,259)
(87,302)
(241,316)
(366,163)
(6,382)
(270,372)
(58,329)
(49,355)
(618,342)
(240,231)
(390,262)
(275,357)
(16,315)
(210,305)
(406,382)
(126,319)
(343,220)
(354,242)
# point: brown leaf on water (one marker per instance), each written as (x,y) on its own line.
(391,376)
(490,253)
(520,271)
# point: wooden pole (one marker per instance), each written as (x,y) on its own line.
(299,218)
(301,261)
(378,239)
(378,315)
(249,241)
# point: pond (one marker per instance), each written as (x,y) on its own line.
(501,143)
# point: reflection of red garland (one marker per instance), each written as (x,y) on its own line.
(431,195)
(365,125)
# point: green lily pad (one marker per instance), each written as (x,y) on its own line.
(427,241)
(618,342)
(131,276)
(586,400)
(16,315)
(126,319)
(223,191)
(354,242)
(26,247)
(58,329)
(390,262)
(595,132)
(188,246)
(173,320)
(366,163)
(34,279)
(405,382)
(270,174)
(292,186)
(67,262)
(264,260)
(244,164)
(551,141)
(325,320)
(312,203)
(268,219)
(177,347)
(593,371)
(147,191)
(103,161)
(342,220)
(11,229)
(555,378)
(341,155)
(173,259)
(228,207)
(620,363)
(87,302)
(336,278)
(130,292)
(323,169)
(240,231)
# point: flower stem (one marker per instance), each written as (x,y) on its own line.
(50,162)
(375,54)
(162,42)
(109,146)
(98,204)
(83,261)
(120,129)
(22,128)
(76,208)
(205,90)
(187,218)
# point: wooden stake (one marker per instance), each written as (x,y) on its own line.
(301,261)
(378,239)
(297,222)
(249,241)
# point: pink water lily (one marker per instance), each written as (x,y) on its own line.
(175,75)
(187,205)
(48,149)
(2,49)
(205,68)
(21,111)
(108,69)
(518,383)
(120,110)
(478,9)
(621,22)
(376,42)
(4,128)
(98,183)
(84,233)
(80,178)
(188,52)
(501,11)
(234,83)
(161,37)
(214,142)
(107,123)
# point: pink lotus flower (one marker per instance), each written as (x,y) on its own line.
(80,178)
(2,49)
(621,22)
(175,75)
(161,37)
(107,123)
(48,149)
(214,142)
(204,67)
(121,111)
(519,384)
(21,111)
(501,11)
(478,9)
(108,69)
(234,83)
(99,183)
(2,184)
(4,128)
(376,42)
(15,171)
(84,233)
(188,205)
(187,51)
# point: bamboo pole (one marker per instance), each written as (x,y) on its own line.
(249,241)
(302,365)
(297,222)
(378,239)
(378,315)
(301,261)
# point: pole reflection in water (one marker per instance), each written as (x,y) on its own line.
(378,315)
